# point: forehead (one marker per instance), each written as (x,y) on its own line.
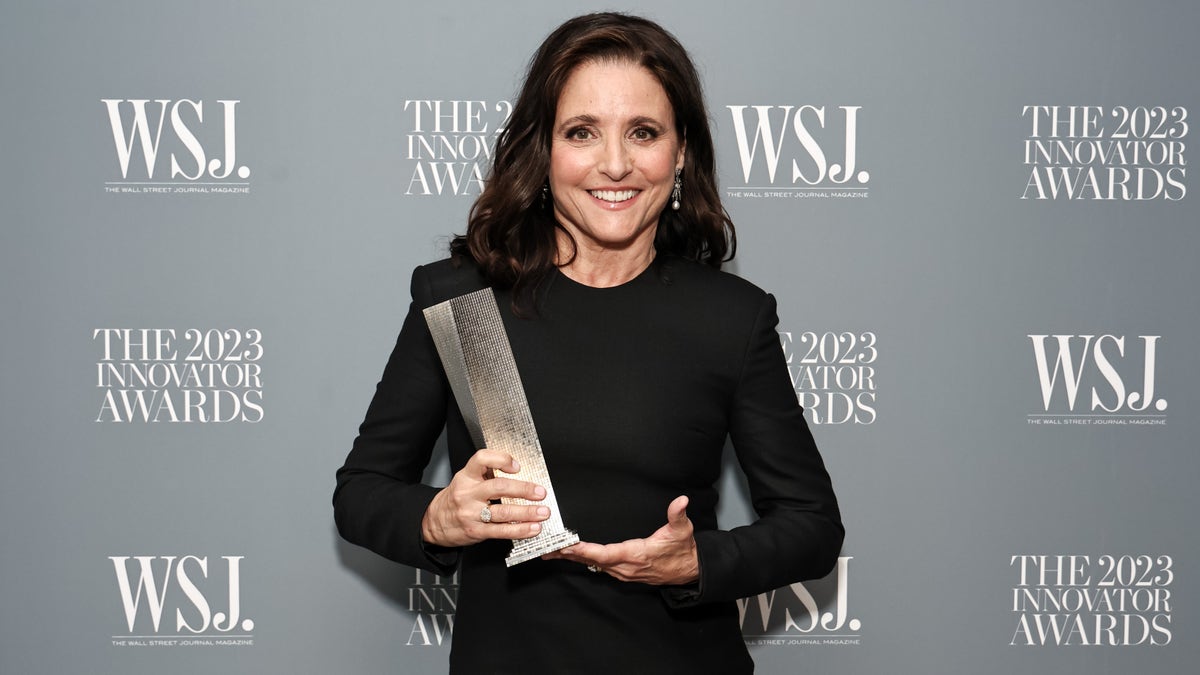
(613,88)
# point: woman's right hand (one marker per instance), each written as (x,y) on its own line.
(454,516)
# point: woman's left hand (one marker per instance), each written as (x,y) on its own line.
(666,558)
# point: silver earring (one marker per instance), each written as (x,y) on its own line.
(545,194)
(676,194)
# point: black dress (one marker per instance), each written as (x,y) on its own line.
(633,390)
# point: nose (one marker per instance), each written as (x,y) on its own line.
(615,161)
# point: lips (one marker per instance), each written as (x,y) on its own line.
(614,196)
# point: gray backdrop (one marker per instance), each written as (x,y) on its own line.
(988,315)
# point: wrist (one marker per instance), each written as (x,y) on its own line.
(429,531)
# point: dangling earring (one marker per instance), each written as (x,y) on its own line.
(676,193)
(545,194)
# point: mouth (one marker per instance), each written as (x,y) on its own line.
(614,197)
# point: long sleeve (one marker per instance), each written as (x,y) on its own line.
(799,533)
(634,390)
(379,500)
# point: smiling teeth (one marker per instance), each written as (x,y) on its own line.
(612,195)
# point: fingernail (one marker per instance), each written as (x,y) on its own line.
(539,492)
(543,511)
(535,527)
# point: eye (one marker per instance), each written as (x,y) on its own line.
(644,134)
(579,134)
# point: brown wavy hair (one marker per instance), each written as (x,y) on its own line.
(511,230)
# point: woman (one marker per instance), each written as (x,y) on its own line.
(601,231)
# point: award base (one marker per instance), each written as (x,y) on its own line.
(546,542)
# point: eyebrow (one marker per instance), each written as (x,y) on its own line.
(578,119)
(640,120)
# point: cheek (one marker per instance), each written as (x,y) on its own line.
(662,170)
(659,166)
(566,169)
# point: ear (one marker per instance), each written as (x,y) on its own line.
(682,152)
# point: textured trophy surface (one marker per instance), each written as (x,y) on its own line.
(478,360)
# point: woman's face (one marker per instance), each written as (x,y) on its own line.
(613,156)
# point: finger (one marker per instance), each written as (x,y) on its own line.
(496,530)
(677,511)
(570,556)
(512,513)
(509,487)
(601,555)
(485,460)
(564,554)
(561,554)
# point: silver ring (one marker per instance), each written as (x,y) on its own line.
(593,568)
(486,514)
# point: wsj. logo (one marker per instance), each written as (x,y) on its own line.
(157,582)
(772,134)
(137,130)
(795,612)
(1099,364)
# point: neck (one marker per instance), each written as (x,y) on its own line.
(603,267)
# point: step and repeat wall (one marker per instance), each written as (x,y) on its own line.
(976,216)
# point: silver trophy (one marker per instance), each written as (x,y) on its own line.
(478,360)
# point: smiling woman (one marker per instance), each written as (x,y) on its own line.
(515,228)
(601,232)
(612,168)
